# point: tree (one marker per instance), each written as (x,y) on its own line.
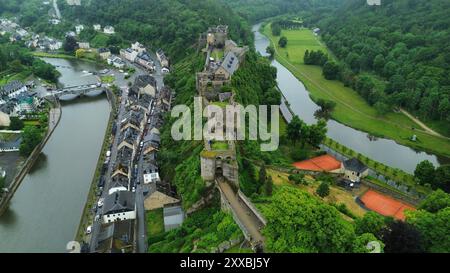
(299,223)
(268,186)
(330,70)
(323,190)
(371,222)
(31,137)
(317,133)
(283,42)
(293,129)
(276,29)
(16,124)
(442,178)
(271,51)
(401,237)
(424,172)
(382,108)
(433,227)
(435,201)
(70,44)
(262,176)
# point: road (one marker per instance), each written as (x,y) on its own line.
(140,232)
(421,124)
(57,12)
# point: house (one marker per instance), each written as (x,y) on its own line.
(227,68)
(145,84)
(74,2)
(109,30)
(116,62)
(173,217)
(145,60)
(84,45)
(316,31)
(13,89)
(70,34)
(78,29)
(162,58)
(138,47)
(128,54)
(151,178)
(354,170)
(97,27)
(119,206)
(104,53)
(54,21)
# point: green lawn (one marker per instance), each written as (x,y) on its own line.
(107,79)
(155,222)
(217,54)
(219,146)
(351,109)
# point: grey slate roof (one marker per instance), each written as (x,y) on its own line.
(355,165)
(120,201)
(173,217)
(11,87)
(230,63)
(144,80)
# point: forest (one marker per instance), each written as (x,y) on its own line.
(397,54)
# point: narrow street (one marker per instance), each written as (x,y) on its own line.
(251,223)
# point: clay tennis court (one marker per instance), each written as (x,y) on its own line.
(324,163)
(385,205)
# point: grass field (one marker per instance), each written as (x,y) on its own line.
(155,222)
(351,109)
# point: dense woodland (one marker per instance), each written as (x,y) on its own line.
(256,10)
(397,54)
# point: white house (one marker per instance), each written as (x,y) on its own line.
(97,27)
(151,178)
(78,29)
(138,47)
(108,30)
(119,206)
(354,170)
(84,45)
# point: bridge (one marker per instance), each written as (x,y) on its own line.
(246,216)
(72,92)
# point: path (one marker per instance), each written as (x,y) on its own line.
(57,12)
(294,68)
(250,222)
(421,124)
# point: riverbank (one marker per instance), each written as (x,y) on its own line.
(91,198)
(53,121)
(350,109)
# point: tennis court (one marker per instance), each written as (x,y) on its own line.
(324,163)
(385,205)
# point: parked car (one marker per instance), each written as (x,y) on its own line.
(89,230)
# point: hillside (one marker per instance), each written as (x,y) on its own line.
(397,54)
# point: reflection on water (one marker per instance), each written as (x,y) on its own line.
(45,211)
(383,150)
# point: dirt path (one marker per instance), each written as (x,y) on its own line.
(293,67)
(421,124)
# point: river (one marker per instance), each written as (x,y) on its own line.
(45,212)
(382,150)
